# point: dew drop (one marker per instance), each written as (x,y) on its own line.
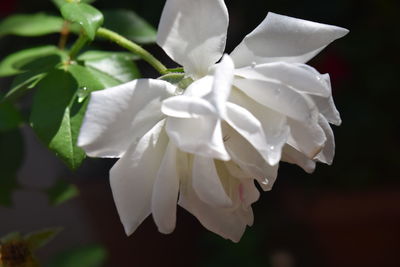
(82,94)
(265,182)
(253,64)
(179,91)
(272,147)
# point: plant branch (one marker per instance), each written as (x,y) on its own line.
(134,48)
(64,35)
(77,46)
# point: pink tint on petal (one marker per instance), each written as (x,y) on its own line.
(241,192)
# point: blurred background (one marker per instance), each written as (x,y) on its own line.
(345,215)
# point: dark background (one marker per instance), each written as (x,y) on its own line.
(343,215)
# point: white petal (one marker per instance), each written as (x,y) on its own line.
(242,192)
(291,155)
(282,38)
(280,98)
(249,159)
(207,183)
(118,116)
(201,87)
(201,136)
(222,85)
(248,192)
(326,105)
(328,152)
(187,107)
(165,192)
(273,123)
(293,75)
(307,138)
(250,128)
(224,222)
(193,33)
(133,176)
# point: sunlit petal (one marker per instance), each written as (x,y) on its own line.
(224,222)
(201,136)
(165,192)
(133,176)
(280,98)
(294,75)
(283,38)
(119,116)
(193,33)
(207,184)
(328,152)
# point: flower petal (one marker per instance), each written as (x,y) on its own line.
(118,116)
(294,75)
(222,85)
(283,38)
(227,223)
(201,136)
(165,192)
(201,87)
(248,192)
(250,128)
(326,105)
(307,138)
(273,124)
(249,159)
(207,183)
(280,98)
(291,155)
(193,33)
(133,176)
(328,152)
(187,107)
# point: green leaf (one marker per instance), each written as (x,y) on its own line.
(99,54)
(10,118)
(60,3)
(119,66)
(106,80)
(129,24)
(12,64)
(33,72)
(61,192)
(87,16)
(31,25)
(11,156)
(86,80)
(56,117)
(40,238)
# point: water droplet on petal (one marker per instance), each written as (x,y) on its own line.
(253,64)
(265,182)
(272,147)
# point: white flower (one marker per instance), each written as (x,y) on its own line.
(263,91)
(126,122)
(232,125)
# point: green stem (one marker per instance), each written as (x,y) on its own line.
(179,70)
(134,48)
(77,46)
